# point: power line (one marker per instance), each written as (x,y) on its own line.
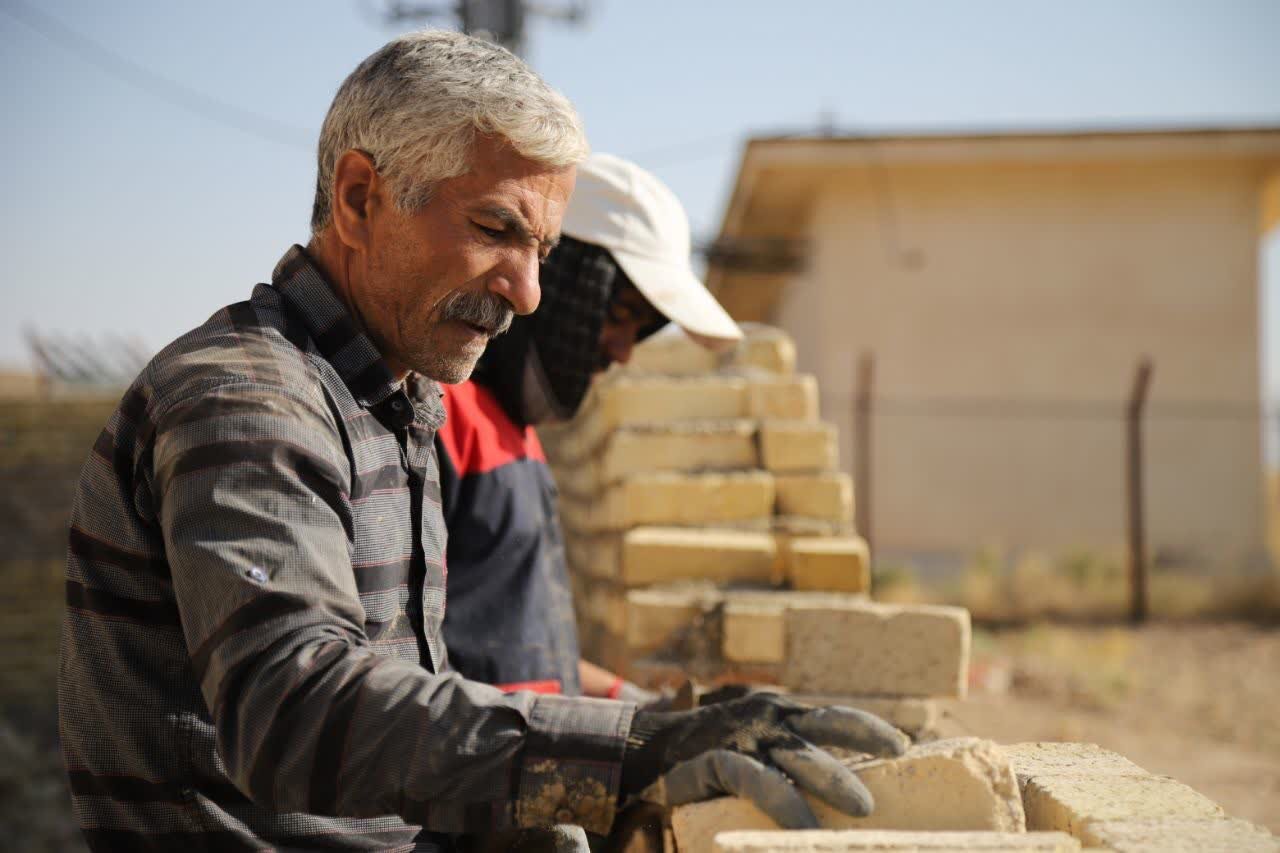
(177,94)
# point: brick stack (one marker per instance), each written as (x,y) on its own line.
(710,533)
(970,794)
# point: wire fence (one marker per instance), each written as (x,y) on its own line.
(1165,482)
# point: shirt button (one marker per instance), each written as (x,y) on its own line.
(397,406)
(257,575)
(565,816)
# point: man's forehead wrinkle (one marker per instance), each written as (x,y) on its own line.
(518,221)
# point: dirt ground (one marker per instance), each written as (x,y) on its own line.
(1198,702)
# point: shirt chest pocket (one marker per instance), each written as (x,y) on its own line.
(383,568)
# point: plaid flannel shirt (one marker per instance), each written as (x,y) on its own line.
(252,654)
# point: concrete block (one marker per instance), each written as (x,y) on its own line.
(660,554)
(1068,802)
(691,446)
(797,446)
(785,397)
(906,841)
(657,616)
(827,495)
(595,556)
(860,647)
(1053,758)
(674,498)
(765,348)
(1175,835)
(637,400)
(841,563)
(671,352)
(754,632)
(796,525)
(959,784)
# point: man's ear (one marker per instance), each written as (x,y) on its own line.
(357,196)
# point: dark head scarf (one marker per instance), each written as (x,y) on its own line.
(577,280)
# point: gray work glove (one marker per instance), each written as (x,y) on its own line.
(645,700)
(744,747)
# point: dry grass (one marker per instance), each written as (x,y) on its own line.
(1084,586)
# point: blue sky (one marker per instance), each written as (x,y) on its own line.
(126,212)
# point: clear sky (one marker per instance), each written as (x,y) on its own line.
(127,212)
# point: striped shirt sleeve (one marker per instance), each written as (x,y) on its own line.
(254,492)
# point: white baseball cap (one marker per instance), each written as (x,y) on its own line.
(622,208)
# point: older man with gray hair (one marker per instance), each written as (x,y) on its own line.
(252,654)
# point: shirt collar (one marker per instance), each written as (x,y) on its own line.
(342,342)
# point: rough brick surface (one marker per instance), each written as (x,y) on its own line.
(671,353)
(657,616)
(1068,802)
(659,554)
(765,348)
(1067,758)
(828,563)
(960,784)
(855,840)
(827,495)
(673,498)
(690,446)
(754,632)
(1179,836)
(787,397)
(797,446)
(635,400)
(621,400)
(861,647)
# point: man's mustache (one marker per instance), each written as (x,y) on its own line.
(486,310)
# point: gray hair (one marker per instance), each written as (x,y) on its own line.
(416,105)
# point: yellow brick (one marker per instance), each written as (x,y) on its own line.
(783,397)
(947,785)
(671,353)
(637,400)
(1177,835)
(595,556)
(656,617)
(797,446)
(1067,802)
(766,348)
(674,498)
(658,554)
(698,445)
(827,495)
(1059,758)
(858,646)
(754,633)
(840,564)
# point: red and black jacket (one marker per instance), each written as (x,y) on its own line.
(510,619)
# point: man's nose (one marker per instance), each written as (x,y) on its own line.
(517,282)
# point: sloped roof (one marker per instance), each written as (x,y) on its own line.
(780,175)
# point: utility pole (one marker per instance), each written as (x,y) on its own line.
(499,21)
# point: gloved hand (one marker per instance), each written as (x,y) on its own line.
(646,700)
(744,746)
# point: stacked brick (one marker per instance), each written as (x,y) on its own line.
(969,794)
(710,533)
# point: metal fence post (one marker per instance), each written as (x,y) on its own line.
(862,396)
(1133,487)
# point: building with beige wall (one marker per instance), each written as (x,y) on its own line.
(1007,286)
